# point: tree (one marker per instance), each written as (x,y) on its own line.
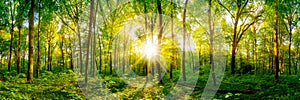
(21,7)
(31,43)
(290,13)
(159,8)
(211,41)
(12,12)
(276,26)
(184,40)
(71,11)
(242,9)
(39,47)
(89,40)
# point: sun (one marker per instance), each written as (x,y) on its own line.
(150,49)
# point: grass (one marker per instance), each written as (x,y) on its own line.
(50,85)
(63,85)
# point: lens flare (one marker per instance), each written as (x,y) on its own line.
(150,49)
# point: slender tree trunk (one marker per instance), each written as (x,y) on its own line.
(290,44)
(62,50)
(39,49)
(152,40)
(173,46)
(211,41)
(11,35)
(100,53)
(31,43)
(184,40)
(19,52)
(110,59)
(297,58)
(89,40)
(199,57)
(94,44)
(71,54)
(276,42)
(80,48)
(49,53)
(146,30)
(124,52)
(159,38)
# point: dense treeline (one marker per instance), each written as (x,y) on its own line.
(150,37)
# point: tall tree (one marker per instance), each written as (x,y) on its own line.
(31,43)
(159,37)
(290,13)
(39,39)
(89,40)
(172,65)
(184,39)
(211,41)
(240,23)
(20,24)
(276,31)
(12,12)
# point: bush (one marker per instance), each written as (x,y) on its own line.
(22,75)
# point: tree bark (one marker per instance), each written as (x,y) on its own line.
(11,35)
(184,38)
(49,53)
(31,43)
(276,42)
(100,53)
(94,44)
(211,41)
(159,38)
(297,58)
(19,51)
(89,40)
(62,50)
(290,43)
(39,48)
(173,46)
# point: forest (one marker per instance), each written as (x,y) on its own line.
(149,49)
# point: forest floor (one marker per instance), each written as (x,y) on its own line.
(63,85)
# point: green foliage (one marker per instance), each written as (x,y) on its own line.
(61,85)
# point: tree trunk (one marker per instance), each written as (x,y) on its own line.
(100,53)
(276,42)
(211,41)
(80,48)
(124,53)
(89,40)
(173,46)
(62,50)
(31,43)
(49,53)
(184,39)
(233,56)
(94,44)
(297,58)
(11,36)
(290,44)
(159,38)
(38,51)
(110,59)
(19,52)
(71,55)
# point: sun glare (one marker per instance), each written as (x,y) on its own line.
(150,49)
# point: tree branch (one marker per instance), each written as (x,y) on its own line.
(247,27)
(219,2)
(64,22)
